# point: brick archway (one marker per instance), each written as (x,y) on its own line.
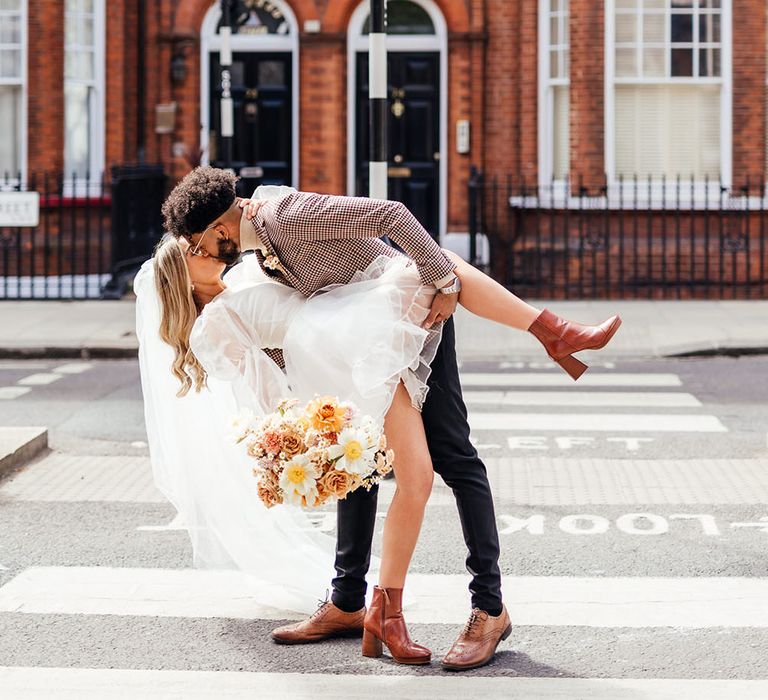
(190,14)
(340,11)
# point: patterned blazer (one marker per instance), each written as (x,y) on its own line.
(322,239)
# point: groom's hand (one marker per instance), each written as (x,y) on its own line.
(251,206)
(443,307)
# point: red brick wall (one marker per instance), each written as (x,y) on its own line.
(749,73)
(45,106)
(587,97)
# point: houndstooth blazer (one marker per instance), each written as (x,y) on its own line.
(323,239)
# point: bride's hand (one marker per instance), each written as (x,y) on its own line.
(251,206)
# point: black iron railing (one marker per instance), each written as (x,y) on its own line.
(635,238)
(92,232)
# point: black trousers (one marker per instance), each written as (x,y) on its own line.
(457,462)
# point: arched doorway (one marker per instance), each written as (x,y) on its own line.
(417,77)
(264,89)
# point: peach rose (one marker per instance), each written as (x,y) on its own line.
(337,483)
(272,442)
(268,489)
(293,444)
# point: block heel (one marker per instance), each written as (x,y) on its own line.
(575,368)
(372,646)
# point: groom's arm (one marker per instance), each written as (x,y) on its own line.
(310,216)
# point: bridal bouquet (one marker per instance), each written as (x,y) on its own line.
(312,454)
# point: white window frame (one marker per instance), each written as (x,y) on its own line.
(726,102)
(241,43)
(546,107)
(77,188)
(23,81)
(438,42)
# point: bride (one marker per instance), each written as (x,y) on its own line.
(363,342)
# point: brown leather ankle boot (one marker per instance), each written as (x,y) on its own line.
(384,624)
(562,338)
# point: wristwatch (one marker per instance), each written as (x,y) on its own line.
(454,288)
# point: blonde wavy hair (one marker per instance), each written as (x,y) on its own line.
(178,312)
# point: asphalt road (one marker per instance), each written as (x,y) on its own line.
(708,413)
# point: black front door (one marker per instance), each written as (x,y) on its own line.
(262,97)
(414,133)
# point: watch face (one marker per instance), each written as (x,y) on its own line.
(257,17)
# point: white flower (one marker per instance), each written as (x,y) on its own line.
(355,452)
(241,424)
(298,481)
(272,262)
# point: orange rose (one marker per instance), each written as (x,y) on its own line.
(325,415)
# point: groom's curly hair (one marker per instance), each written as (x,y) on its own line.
(199,199)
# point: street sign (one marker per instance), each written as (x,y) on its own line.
(19,209)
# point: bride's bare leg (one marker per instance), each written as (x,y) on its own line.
(485,297)
(414,475)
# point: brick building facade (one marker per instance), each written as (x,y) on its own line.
(539,89)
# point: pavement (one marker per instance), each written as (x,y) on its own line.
(651,329)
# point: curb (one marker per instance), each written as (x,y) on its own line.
(71,353)
(20,445)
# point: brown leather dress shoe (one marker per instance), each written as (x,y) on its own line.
(326,622)
(562,338)
(478,640)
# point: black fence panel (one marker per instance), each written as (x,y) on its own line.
(92,232)
(636,238)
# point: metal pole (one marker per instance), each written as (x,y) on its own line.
(377,100)
(225,60)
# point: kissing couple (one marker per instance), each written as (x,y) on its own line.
(323,306)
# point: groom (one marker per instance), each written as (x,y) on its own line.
(309,241)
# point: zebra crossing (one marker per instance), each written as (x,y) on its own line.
(620,573)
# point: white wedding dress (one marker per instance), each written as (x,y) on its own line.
(355,341)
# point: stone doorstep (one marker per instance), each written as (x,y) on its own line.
(20,445)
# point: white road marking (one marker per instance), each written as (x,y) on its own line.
(74,368)
(13,392)
(25,683)
(597,422)
(542,379)
(25,365)
(582,398)
(641,602)
(39,379)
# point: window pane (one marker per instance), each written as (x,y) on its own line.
(709,3)
(653,138)
(682,63)
(654,4)
(87,6)
(682,3)
(626,63)
(10,29)
(405,17)
(10,5)
(709,28)
(654,31)
(709,63)
(653,63)
(70,32)
(76,129)
(554,71)
(86,31)
(10,99)
(560,149)
(682,28)
(10,63)
(554,30)
(627,4)
(626,28)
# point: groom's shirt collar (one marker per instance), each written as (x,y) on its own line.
(250,238)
